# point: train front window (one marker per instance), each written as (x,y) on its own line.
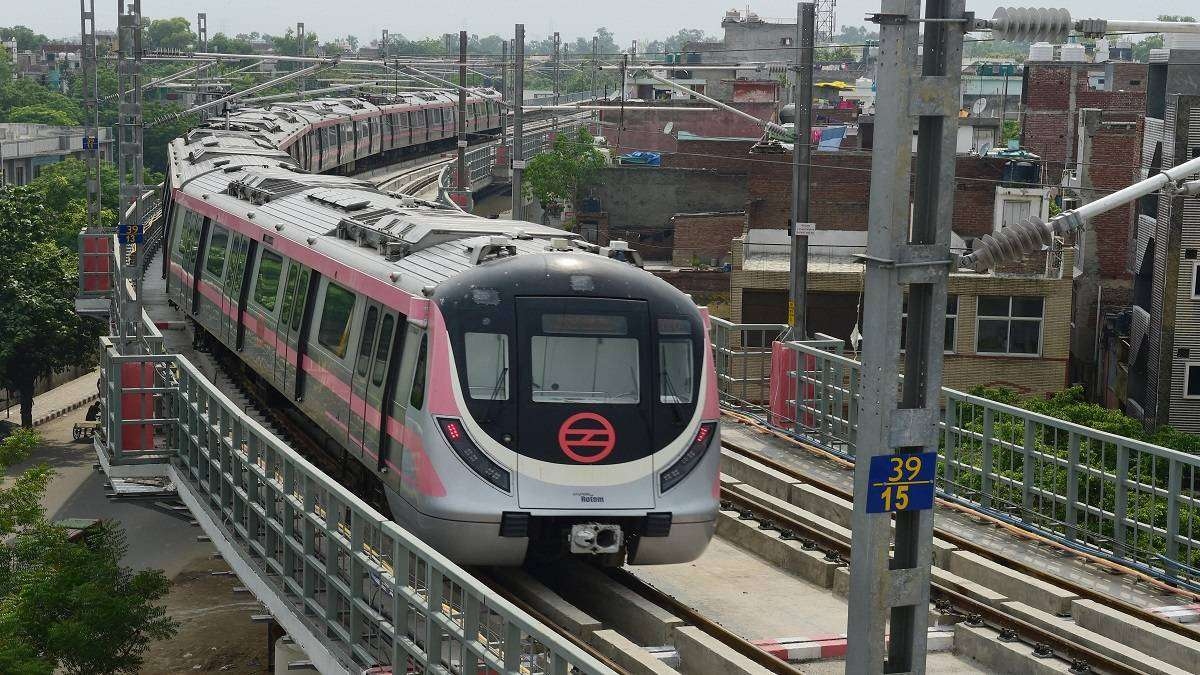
(675,361)
(487,366)
(585,359)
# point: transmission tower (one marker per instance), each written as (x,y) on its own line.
(826,20)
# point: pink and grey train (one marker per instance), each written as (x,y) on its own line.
(514,391)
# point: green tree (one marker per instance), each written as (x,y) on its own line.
(23,92)
(41,114)
(1012,131)
(68,606)
(288,44)
(5,66)
(556,176)
(26,39)
(173,33)
(42,333)
(223,44)
(156,138)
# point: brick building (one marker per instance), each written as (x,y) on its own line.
(1056,91)
(702,239)
(1001,329)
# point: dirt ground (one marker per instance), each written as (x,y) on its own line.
(216,634)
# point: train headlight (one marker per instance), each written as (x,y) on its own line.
(689,459)
(470,453)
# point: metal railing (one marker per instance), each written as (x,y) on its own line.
(1126,500)
(347,583)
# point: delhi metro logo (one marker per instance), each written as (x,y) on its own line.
(586,437)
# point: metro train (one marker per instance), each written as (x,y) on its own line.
(329,134)
(513,391)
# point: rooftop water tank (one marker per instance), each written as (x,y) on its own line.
(1041,51)
(1181,41)
(1072,52)
(1101,54)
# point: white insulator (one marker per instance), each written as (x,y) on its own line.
(1011,243)
(1031,24)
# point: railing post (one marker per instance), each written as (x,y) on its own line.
(985,462)
(116,386)
(949,440)
(1122,499)
(433,627)
(1174,486)
(1072,513)
(1027,464)
(356,574)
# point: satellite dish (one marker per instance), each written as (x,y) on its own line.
(979,106)
(667,129)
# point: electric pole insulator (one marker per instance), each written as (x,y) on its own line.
(1031,24)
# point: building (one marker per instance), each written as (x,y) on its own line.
(1155,353)
(1002,329)
(26,148)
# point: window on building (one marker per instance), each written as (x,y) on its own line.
(1196,280)
(334,332)
(266,288)
(785,42)
(1009,325)
(951,324)
(1191,379)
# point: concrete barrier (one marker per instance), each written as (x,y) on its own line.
(829,527)
(1092,640)
(1029,590)
(1143,636)
(786,554)
(630,657)
(617,606)
(702,654)
(1006,658)
(761,476)
(967,587)
(547,602)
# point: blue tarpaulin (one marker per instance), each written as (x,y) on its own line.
(643,158)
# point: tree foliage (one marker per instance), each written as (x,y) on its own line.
(556,175)
(68,606)
(41,114)
(289,44)
(27,40)
(42,333)
(223,44)
(174,33)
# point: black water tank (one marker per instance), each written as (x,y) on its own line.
(1022,172)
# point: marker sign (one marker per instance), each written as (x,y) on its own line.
(587,437)
(901,482)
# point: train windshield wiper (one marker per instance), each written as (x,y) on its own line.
(493,397)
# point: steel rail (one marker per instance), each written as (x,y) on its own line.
(978,611)
(978,549)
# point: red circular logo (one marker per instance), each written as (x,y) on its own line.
(587,432)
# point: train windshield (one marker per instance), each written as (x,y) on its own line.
(585,358)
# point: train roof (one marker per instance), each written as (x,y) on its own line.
(407,242)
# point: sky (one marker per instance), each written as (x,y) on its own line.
(627,19)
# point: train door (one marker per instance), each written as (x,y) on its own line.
(583,400)
(374,380)
(231,298)
(287,341)
(361,375)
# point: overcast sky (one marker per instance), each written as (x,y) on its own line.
(628,19)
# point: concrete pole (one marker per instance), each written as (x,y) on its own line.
(595,46)
(464,180)
(801,158)
(300,52)
(554,77)
(518,152)
(504,94)
(202,44)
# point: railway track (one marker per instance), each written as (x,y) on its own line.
(945,596)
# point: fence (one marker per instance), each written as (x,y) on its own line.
(1117,497)
(366,592)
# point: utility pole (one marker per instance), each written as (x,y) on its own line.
(554,124)
(300,52)
(202,40)
(595,46)
(801,159)
(129,140)
(897,427)
(463,182)
(91,121)
(504,97)
(518,149)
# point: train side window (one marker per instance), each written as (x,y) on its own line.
(218,243)
(189,240)
(379,369)
(487,366)
(365,344)
(334,330)
(417,399)
(675,361)
(301,298)
(289,294)
(266,287)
